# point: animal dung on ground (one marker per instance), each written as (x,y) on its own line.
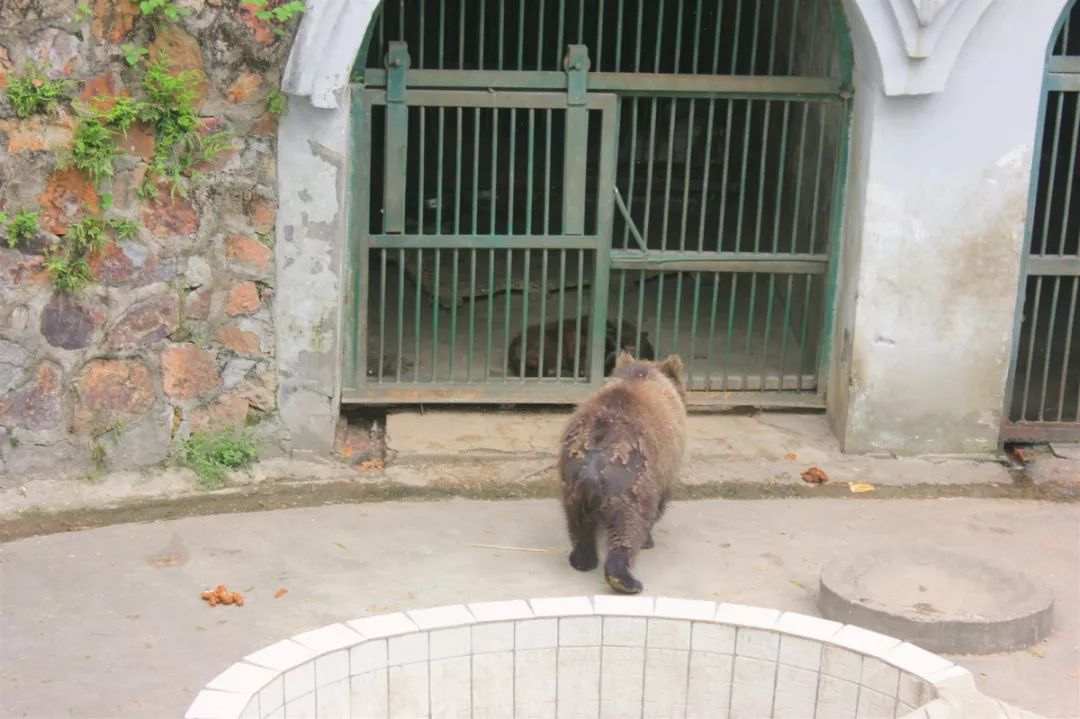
(815,475)
(221,595)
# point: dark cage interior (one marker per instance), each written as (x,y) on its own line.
(721,212)
(1045,402)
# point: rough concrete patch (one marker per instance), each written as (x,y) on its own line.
(1066,451)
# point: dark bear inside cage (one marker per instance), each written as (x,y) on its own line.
(523,167)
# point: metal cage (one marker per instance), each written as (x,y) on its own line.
(540,184)
(1044,384)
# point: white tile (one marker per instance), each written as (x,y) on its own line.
(272,696)
(367,657)
(500,611)
(799,652)
(804,625)
(875,705)
(623,606)
(332,700)
(251,711)
(439,617)
(752,688)
(535,681)
(408,696)
(327,639)
(864,641)
(561,606)
(913,690)
(498,637)
(578,682)
(666,674)
(368,697)
(210,704)
(383,625)
(913,659)
(408,648)
(796,692)
(446,643)
(283,655)
(837,698)
(278,713)
(536,633)
(950,676)
(580,631)
(743,615)
(880,677)
(903,710)
(621,681)
(668,634)
(241,677)
(299,681)
(841,663)
(757,644)
(939,709)
(709,689)
(451,688)
(685,609)
(493,685)
(302,708)
(719,638)
(331,668)
(624,631)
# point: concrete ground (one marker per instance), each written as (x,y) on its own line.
(108,622)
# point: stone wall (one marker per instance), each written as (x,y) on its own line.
(175,331)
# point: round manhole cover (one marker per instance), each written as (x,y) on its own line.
(942,601)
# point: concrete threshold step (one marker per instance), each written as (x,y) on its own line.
(766,447)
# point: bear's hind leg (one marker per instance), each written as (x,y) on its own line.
(582,526)
(627,532)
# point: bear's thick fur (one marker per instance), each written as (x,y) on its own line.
(620,456)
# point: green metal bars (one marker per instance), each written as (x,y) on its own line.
(539,183)
(1044,392)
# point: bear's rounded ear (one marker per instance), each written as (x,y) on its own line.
(672,366)
(625,358)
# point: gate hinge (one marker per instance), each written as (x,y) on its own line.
(577,67)
(397,66)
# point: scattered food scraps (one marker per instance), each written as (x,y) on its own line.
(815,475)
(221,595)
(371,465)
(790,456)
(280,593)
(857,487)
(340,544)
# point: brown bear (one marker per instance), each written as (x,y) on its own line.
(620,455)
(573,342)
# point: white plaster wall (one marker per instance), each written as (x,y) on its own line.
(933,249)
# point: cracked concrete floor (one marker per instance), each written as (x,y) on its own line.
(109,623)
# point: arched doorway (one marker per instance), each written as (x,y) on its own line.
(540,183)
(1044,396)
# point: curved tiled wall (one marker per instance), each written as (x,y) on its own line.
(608,656)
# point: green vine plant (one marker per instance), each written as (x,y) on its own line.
(166,8)
(277,102)
(133,54)
(35,94)
(170,107)
(66,259)
(277,15)
(22,227)
(84,13)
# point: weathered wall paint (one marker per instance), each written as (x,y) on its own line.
(932,256)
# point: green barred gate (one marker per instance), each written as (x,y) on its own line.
(661,175)
(1044,393)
